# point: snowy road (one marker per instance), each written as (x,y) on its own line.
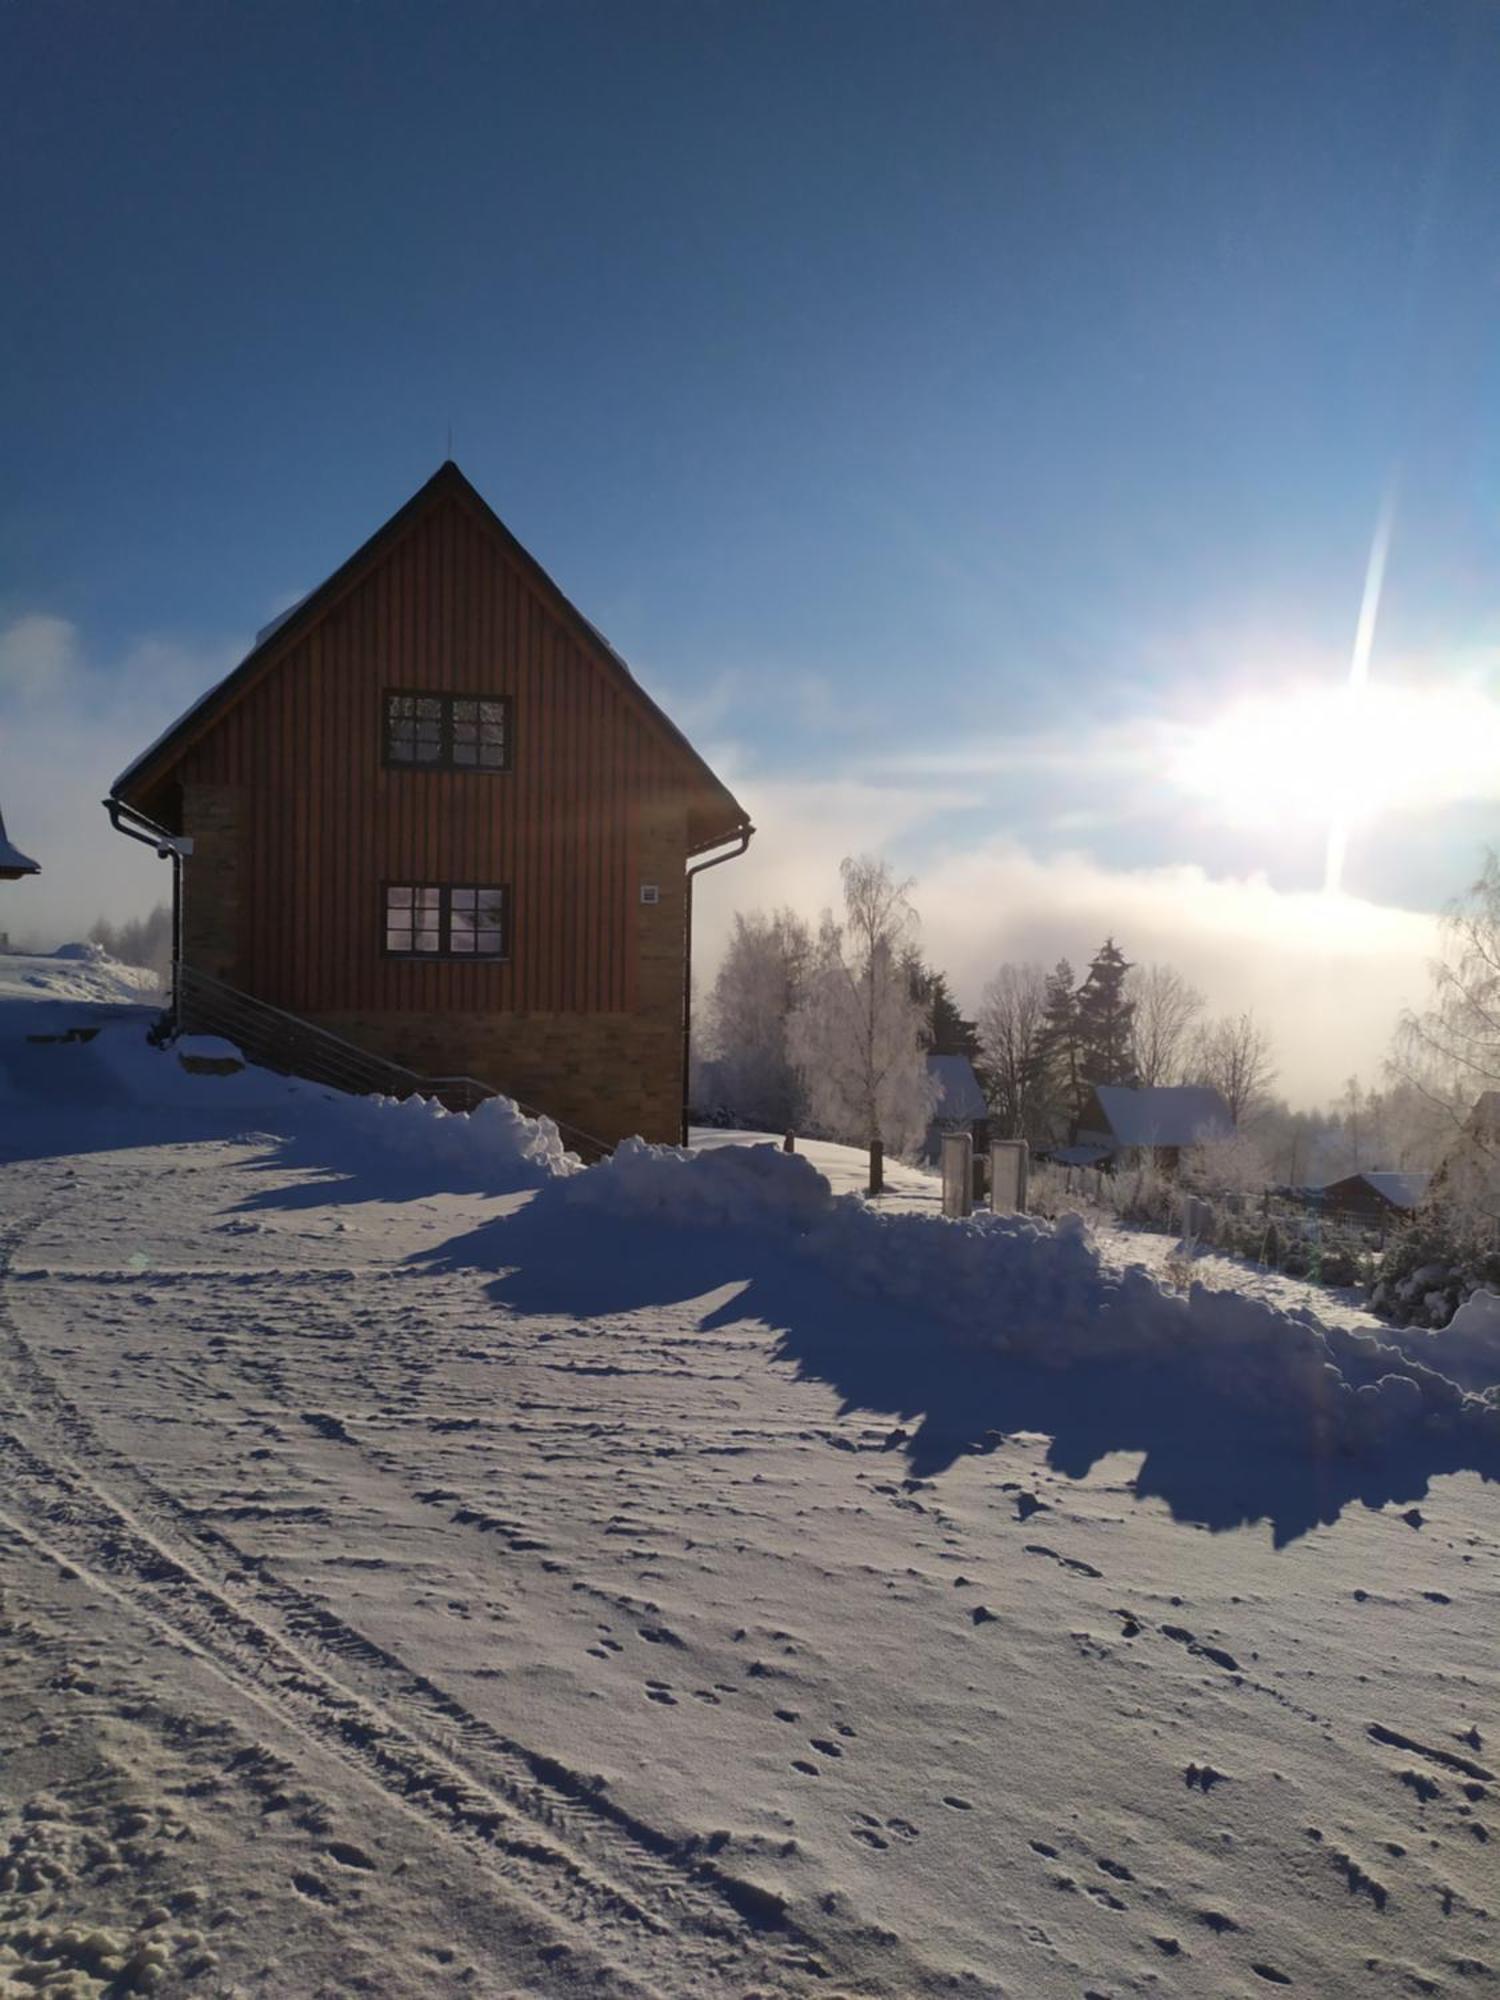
(392,1606)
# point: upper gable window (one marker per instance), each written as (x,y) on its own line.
(448,732)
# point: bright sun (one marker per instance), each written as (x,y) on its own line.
(1319,757)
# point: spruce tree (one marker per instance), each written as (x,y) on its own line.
(1106,1020)
(1059,1043)
(948,1032)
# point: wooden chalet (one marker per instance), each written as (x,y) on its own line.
(1374,1197)
(433,814)
(1120,1126)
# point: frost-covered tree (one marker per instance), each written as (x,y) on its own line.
(1234,1055)
(857,1035)
(1166,1010)
(1449,1052)
(1105,1015)
(1458,1032)
(1234,1164)
(757,989)
(139,940)
(1013,1041)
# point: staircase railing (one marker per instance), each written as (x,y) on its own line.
(273,1039)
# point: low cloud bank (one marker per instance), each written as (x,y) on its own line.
(69,724)
(1327,975)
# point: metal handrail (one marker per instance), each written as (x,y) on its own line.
(292,1046)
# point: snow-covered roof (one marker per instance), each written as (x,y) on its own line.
(960,1100)
(12,861)
(1176,1114)
(1400,1190)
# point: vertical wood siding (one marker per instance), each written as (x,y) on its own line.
(327,824)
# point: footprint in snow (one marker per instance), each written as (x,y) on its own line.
(1068,1562)
(349,1856)
(659,1691)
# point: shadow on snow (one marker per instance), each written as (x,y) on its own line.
(1207,1459)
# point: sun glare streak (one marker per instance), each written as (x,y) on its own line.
(1359,678)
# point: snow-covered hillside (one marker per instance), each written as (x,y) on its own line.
(430,1567)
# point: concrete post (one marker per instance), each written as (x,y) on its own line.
(1009,1163)
(958,1173)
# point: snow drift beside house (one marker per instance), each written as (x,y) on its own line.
(1040,1293)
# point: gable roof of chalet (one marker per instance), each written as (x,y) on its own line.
(721,817)
(13,863)
(1177,1114)
(959,1100)
(1399,1190)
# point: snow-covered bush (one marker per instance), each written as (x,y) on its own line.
(1432,1265)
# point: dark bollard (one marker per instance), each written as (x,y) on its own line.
(789,1143)
(877,1166)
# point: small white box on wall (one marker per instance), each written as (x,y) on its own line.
(650,893)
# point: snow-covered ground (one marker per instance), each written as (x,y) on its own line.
(431,1569)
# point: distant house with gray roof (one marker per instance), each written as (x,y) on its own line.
(959,1105)
(1374,1197)
(1120,1127)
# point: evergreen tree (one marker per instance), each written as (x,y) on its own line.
(1059,1042)
(1106,1020)
(948,1032)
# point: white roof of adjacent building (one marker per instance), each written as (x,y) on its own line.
(959,1097)
(1176,1114)
(12,860)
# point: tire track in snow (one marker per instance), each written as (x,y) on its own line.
(627,1885)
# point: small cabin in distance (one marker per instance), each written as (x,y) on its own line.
(432,813)
(1120,1126)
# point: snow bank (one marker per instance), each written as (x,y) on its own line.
(75,975)
(496,1144)
(1041,1293)
(496,1148)
(1468,1348)
(748,1186)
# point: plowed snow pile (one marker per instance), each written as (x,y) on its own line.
(1041,1292)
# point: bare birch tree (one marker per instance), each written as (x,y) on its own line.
(1013,1040)
(1234,1055)
(857,1035)
(1167,1008)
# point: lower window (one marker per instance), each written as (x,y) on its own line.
(445,920)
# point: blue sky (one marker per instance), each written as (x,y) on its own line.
(944,407)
